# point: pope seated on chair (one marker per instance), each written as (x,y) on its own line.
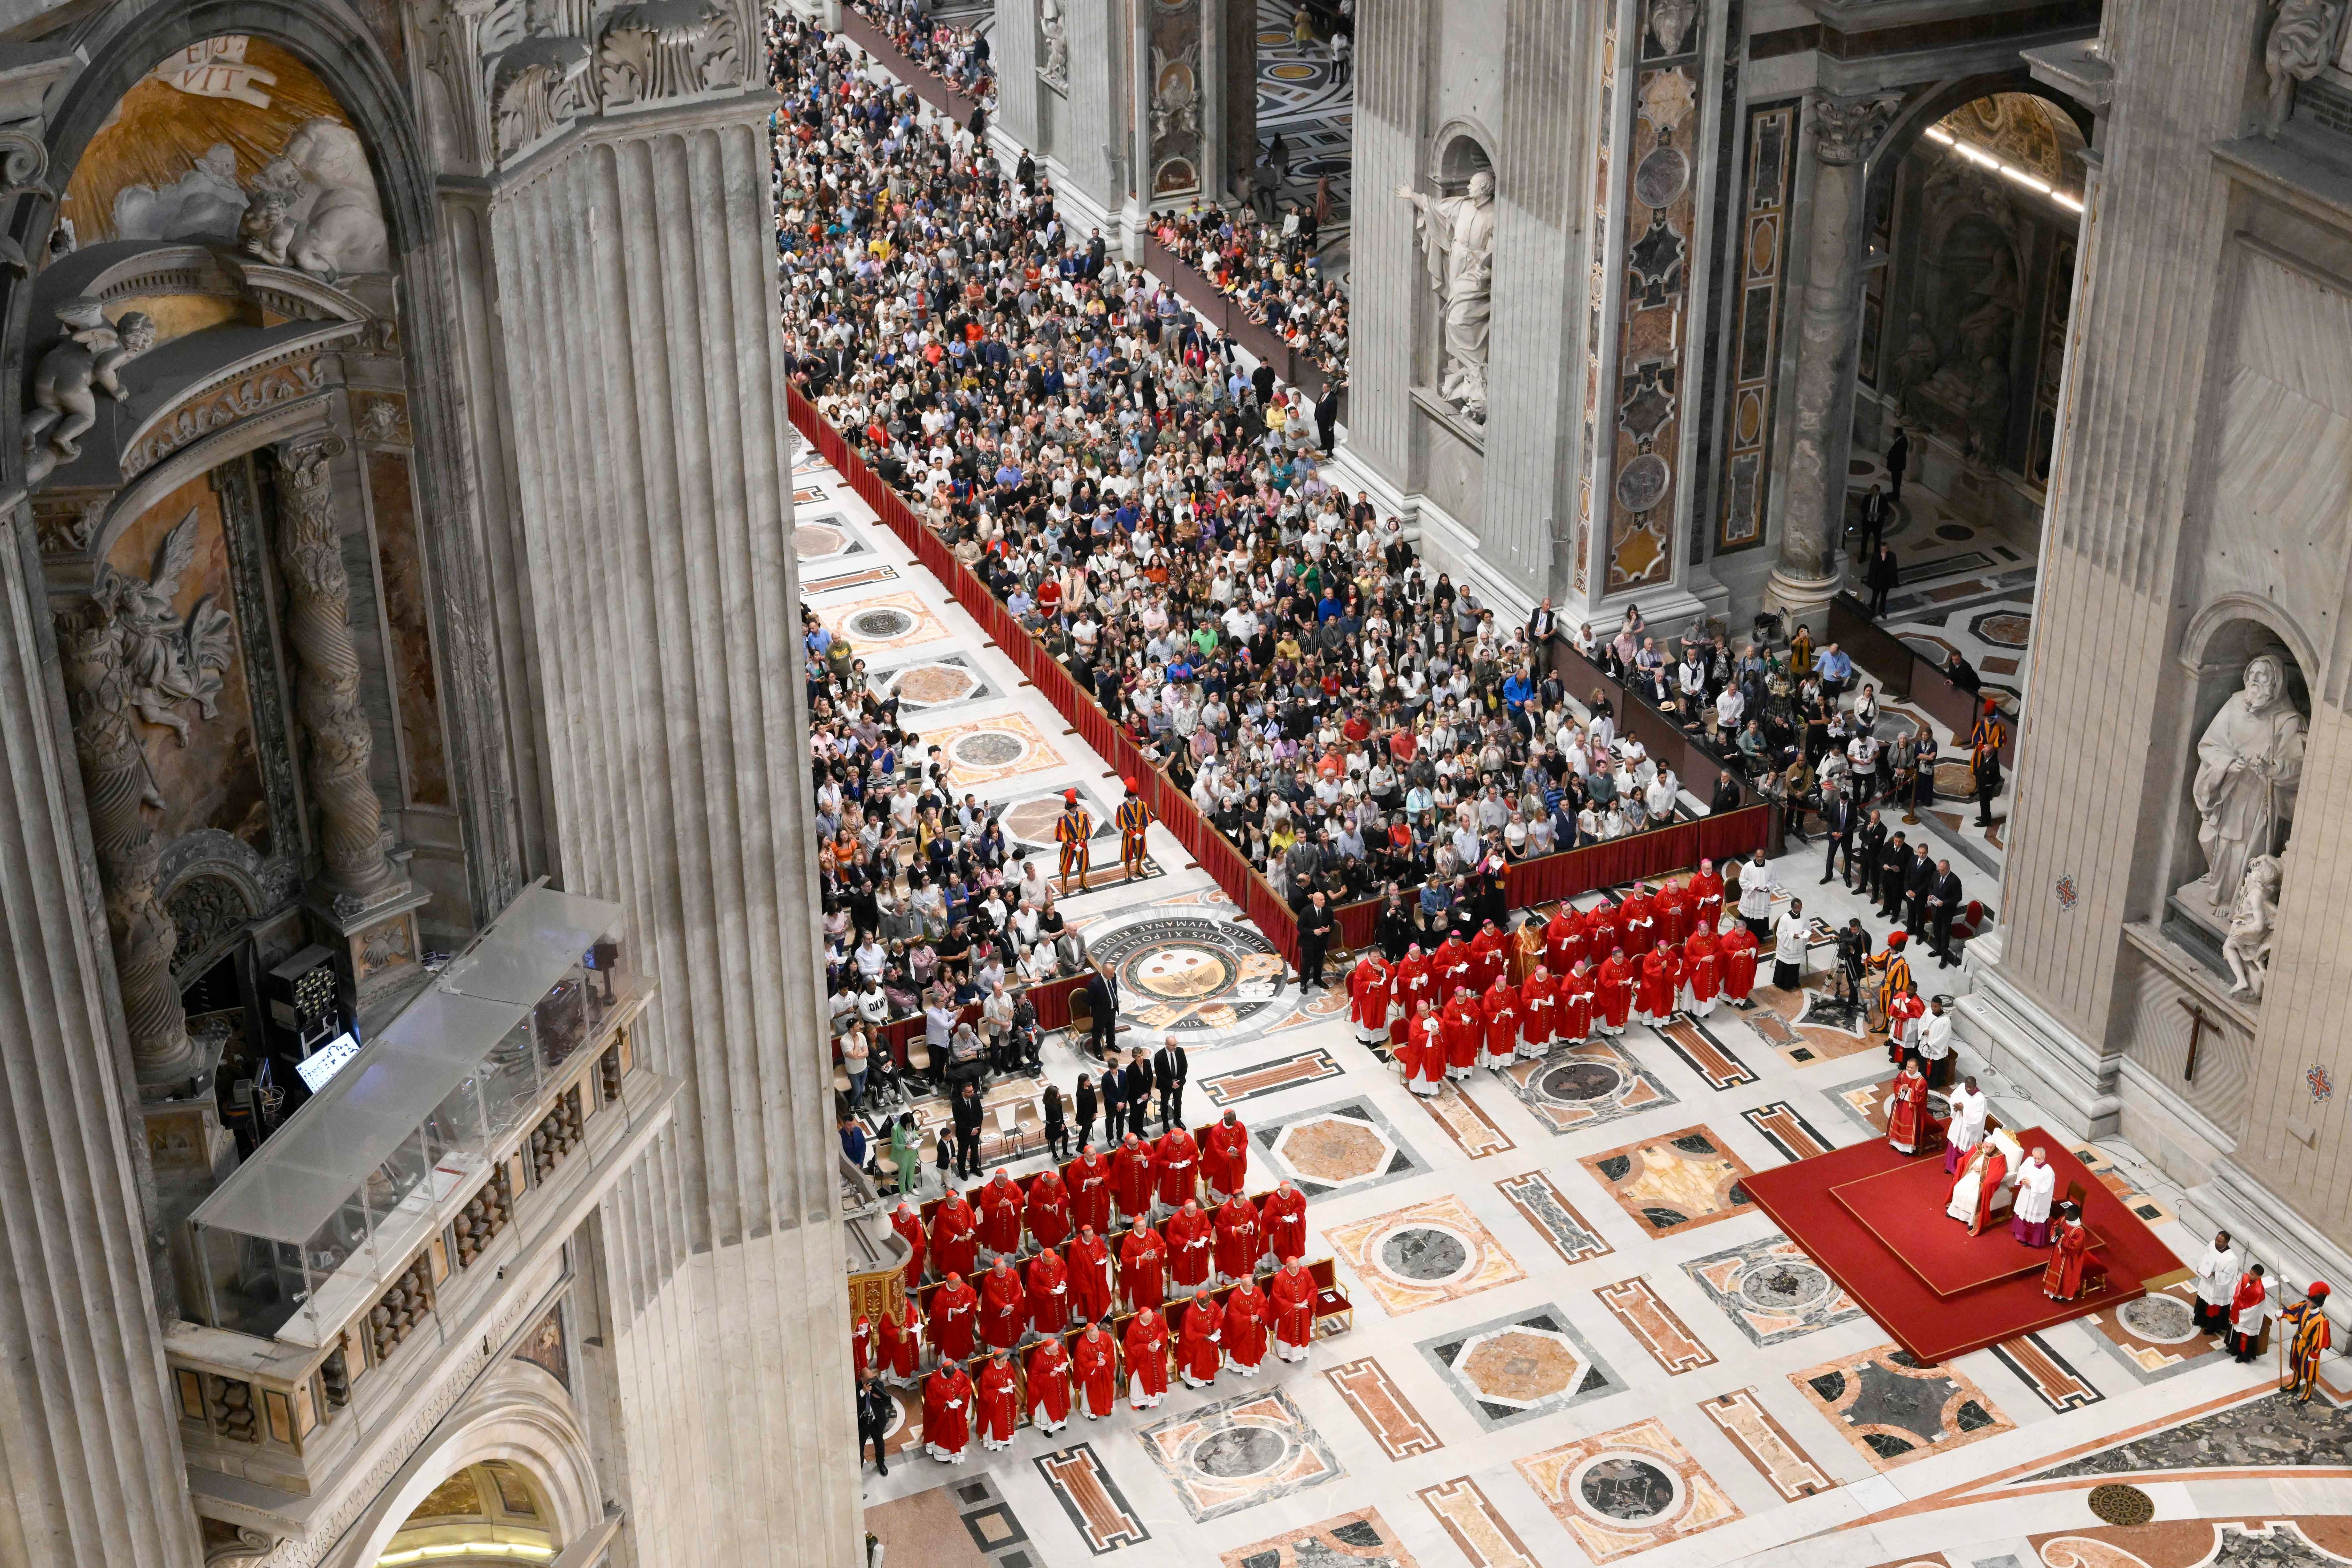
(1986,1188)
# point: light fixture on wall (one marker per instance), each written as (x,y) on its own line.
(2025,178)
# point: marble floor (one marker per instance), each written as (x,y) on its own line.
(1298,100)
(1575,1340)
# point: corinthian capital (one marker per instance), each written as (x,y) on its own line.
(1846,128)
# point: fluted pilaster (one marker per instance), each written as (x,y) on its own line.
(1389,273)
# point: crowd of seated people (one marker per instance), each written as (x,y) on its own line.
(1148,507)
(957,55)
(1272,269)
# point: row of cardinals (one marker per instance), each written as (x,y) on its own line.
(1136,1180)
(1230,1329)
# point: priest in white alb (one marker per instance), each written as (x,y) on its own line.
(1970,1106)
(2037,1183)
(2217,1282)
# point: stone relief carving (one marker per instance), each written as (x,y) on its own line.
(2293,52)
(120,788)
(1458,240)
(236,1545)
(205,204)
(327,695)
(66,525)
(1055,34)
(2247,947)
(2249,763)
(1176,106)
(1670,21)
(249,395)
(83,362)
(668,48)
(1846,128)
(266,230)
(538,88)
(383,420)
(168,661)
(206,909)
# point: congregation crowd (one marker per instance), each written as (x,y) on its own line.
(1271,269)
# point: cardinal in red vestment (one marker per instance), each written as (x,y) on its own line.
(1003,1306)
(1143,1268)
(1049,1293)
(906,1344)
(1674,915)
(1088,1258)
(1238,1239)
(1738,962)
(1702,970)
(1563,940)
(955,1235)
(1048,1370)
(886,1334)
(1224,1155)
(1653,993)
(1464,1028)
(1047,1213)
(1613,994)
(1413,979)
(1486,957)
(1094,1368)
(1000,1215)
(1130,1178)
(1175,1167)
(1146,1358)
(2061,1278)
(1200,1347)
(1245,1311)
(1369,984)
(1424,1057)
(1906,1112)
(1604,932)
(1189,1241)
(1291,1301)
(908,1223)
(1500,1008)
(1538,1013)
(1088,1179)
(1451,964)
(955,1316)
(947,1412)
(1706,898)
(998,1401)
(1578,988)
(1282,1220)
(1640,913)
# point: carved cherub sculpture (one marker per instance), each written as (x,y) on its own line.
(2248,946)
(269,226)
(66,384)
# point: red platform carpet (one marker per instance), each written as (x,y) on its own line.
(1874,1220)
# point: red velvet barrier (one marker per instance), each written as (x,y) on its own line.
(1172,805)
(1550,878)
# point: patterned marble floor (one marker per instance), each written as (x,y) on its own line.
(1575,1340)
(1314,115)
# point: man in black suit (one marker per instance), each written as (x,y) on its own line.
(1138,1093)
(1881,577)
(1095,254)
(1962,674)
(966,1110)
(873,1422)
(1917,884)
(1838,823)
(1102,999)
(1873,521)
(1894,876)
(1865,876)
(1316,922)
(1898,458)
(1943,903)
(1169,1071)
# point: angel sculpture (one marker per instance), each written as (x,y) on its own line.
(166,660)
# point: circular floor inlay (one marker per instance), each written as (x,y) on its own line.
(1333,1149)
(1621,1486)
(813,540)
(2119,1504)
(1239,1451)
(1424,1253)
(1181,974)
(990,749)
(1579,1081)
(1779,1285)
(2160,1320)
(1521,1366)
(1294,72)
(2005,629)
(1954,532)
(881,625)
(1190,973)
(931,683)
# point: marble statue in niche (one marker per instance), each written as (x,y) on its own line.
(1056,35)
(77,367)
(1457,239)
(2249,763)
(168,661)
(2294,50)
(2247,947)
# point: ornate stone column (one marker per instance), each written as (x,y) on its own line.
(327,695)
(119,789)
(1805,578)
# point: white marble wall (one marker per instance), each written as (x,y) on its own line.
(638,297)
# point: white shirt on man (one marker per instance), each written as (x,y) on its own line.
(2036,1182)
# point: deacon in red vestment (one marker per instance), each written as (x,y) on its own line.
(1486,958)
(1143,1268)
(1245,1313)
(861,1346)
(1049,1385)
(1577,990)
(1200,1348)
(2061,1279)
(908,1223)
(1146,1358)
(997,1401)
(1224,1155)
(1189,1241)
(1291,1299)
(1466,1027)
(1130,1179)
(1906,1112)
(1563,940)
(906,1345)
(1674,915)
(1538,1013)
(1094,1367)
(1613,994)
(1048,1212)
(1049,1293)
(1706,898)
(1089,1263)
(947,1412)
(955,1235)
(1414,979)
(955,1315)
(1369,984)
(1702,970)
(1000,1215)
(1500,1007)
(1175,1167)
(1738,962)
(1640,913)
(1089,1185)
(1282,1222)
(1238,1238)
(1003,1306)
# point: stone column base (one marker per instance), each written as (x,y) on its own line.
(1798,599)
(2069,1079)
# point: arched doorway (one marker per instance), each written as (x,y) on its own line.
(1971,282)
(486,1515)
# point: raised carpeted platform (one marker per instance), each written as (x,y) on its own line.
(1874,1220)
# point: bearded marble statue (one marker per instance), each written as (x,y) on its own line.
(1457,239)
(2249,762)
